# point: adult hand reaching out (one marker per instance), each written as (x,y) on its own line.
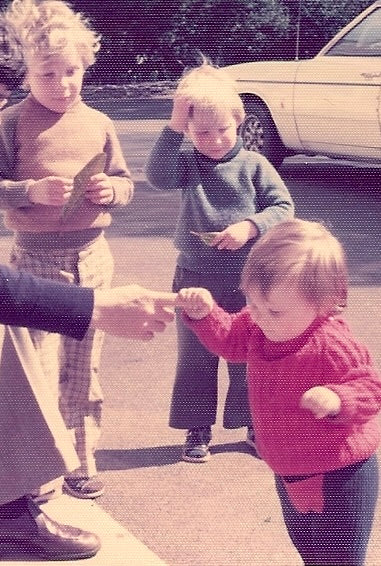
(132,311)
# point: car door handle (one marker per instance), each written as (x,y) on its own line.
(371,75)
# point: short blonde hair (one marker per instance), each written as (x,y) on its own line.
(211,88)
(46,27)
(304,253)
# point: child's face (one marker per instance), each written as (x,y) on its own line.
(56,80)
(282,315)
(213,133)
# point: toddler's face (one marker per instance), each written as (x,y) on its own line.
(282,315)
(213,133)
(56,80)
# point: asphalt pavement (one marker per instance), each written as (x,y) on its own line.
(224,512)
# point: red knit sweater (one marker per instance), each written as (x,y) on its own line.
(290,439)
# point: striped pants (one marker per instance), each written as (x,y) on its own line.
(72,367)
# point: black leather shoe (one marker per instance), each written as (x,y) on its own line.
(34,532)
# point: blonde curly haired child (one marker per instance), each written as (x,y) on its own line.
(47,26)
(46,140)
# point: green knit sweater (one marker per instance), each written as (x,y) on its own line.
(242,185)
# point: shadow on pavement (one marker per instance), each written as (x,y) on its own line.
(156,456)
(13,554)
(137,458)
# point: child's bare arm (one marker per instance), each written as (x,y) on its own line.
(195,301)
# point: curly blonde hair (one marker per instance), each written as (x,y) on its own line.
(211,88)
(48,26)
(303,253)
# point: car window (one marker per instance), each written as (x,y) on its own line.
(362,40)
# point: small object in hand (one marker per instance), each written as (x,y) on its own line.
(206,237)
(94,166)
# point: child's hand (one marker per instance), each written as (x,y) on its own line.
(53,191)
(321,401)
(180,113)
(235,236)
(195,301)
(99,189)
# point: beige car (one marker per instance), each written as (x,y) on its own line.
(329,105)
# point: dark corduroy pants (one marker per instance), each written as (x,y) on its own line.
(339,535)
(195,392)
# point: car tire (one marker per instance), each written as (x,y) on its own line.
(259,133)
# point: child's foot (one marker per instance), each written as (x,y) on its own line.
(196,447)
(84,488)
(250,440)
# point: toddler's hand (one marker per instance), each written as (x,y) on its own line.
(321,401)
(53,191)
(235,236)
(99,189)
(195,301)
(180,113)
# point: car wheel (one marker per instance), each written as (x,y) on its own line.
(259,133)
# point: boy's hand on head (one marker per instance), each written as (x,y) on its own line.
(321,401)
(235,236)
(180,113)
(53,191)
(99,190)
(195,301)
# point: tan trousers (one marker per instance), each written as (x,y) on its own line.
(72,366)
(35,444)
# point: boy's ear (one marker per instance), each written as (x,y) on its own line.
(239,117)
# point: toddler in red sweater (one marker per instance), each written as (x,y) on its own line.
(313,390)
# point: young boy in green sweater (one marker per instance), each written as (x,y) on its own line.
(230,197)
